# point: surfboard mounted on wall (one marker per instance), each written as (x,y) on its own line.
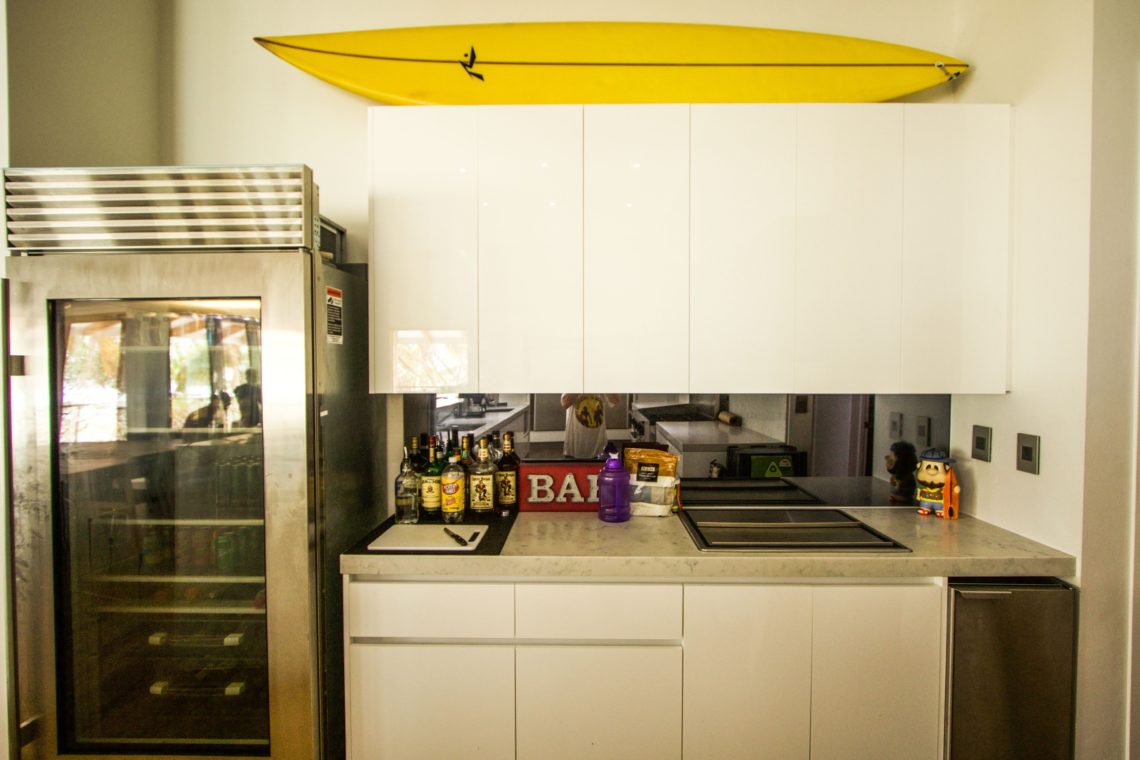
(611,62)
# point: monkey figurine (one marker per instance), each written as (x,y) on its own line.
(937,484)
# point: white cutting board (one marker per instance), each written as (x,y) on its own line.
(427,538)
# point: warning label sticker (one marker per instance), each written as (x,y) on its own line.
(334,315)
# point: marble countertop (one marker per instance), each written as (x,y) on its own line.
(579,545)
(709,435)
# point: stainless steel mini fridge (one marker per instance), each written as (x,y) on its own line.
(1011,669)
(190,441)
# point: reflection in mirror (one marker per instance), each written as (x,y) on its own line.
(833,434)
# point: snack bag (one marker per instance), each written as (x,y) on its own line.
(652,482)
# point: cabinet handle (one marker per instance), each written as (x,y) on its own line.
(992,594)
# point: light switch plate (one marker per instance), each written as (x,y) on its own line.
(1029,453)
(983,443)
(922,431)
(896,426)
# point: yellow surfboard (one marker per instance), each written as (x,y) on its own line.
(611,62)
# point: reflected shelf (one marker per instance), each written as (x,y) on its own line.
(158,578)
(185,521)
(201,608)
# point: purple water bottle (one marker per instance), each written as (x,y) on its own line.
(613,491)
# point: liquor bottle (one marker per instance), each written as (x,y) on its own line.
(496,447)
(466,461)
(407,491)
(482,483)
(466,455)
(507,478)
(417,460)
(430,495)
(452,490)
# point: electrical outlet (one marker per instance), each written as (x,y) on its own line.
(896,426)
(1029,453)
(983,441)
(922,431)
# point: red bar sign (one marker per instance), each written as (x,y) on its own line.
(559,486)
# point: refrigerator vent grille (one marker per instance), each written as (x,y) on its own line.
(160,207)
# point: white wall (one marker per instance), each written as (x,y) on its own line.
(1110,451)
(765,413)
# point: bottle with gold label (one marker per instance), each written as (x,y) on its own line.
(452,490)
(430,496)
(482,479)
(507,478)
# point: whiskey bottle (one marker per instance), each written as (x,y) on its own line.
(496,448)
(482,481)
(466,461)
(430,496)
(507,478)
(415,457)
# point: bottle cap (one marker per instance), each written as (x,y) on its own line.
(613,463)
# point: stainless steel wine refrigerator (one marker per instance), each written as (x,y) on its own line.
(190,440)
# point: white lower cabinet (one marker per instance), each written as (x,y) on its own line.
(876,672)
(617,670)
(747,672)
(579,702)
(826,672)
(409,701)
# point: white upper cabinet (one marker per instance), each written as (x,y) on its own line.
(955,268)
(530,249)
(636,268)
(742,281)
(423,249)
(753,248)
(849,297)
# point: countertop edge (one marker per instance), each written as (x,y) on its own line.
(577,545)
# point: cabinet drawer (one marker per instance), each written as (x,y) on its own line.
(590,611)
(431,610)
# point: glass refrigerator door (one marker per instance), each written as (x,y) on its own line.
(160,526)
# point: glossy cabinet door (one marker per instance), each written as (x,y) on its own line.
(955,267)
(530,249)
(636,267)
(423,250)
(743,248)
(849,296)
(431,701)
(582,702)
(747,672)
(877,654)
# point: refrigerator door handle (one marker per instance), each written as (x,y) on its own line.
(29,731)
(21,735)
